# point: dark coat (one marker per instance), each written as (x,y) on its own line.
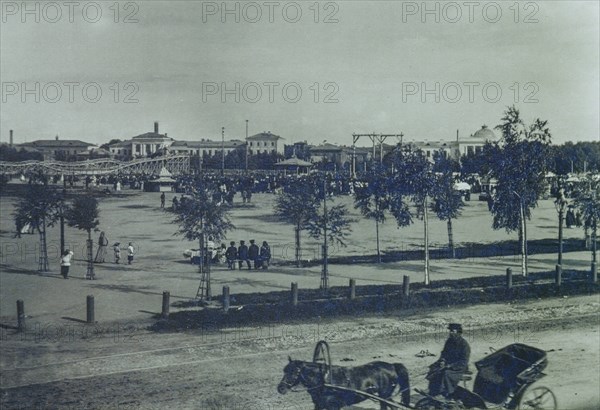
(265,252)
(231,252)
(456,353)
(253,251)
(243,252)
(444,379)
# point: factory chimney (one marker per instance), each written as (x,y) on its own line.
(156,127)
(10,140)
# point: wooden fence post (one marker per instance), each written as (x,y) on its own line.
(406,286)
(508,278)
(226,300)
(90,309)
(352,288)
(20,315)
(295,293)
(165,304)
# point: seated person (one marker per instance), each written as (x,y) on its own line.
(445,374)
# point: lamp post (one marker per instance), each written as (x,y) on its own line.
(222,150)
(246,146)
(560,204)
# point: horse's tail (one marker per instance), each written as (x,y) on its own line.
(403,382)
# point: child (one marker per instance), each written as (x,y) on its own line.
(130,253)
(117,251)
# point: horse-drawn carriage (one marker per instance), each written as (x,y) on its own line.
(504,380)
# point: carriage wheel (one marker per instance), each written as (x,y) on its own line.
(426,404)
(538,398)
(321,355)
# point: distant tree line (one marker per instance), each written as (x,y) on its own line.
(12,154)
(562,159)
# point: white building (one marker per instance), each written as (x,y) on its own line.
(265,142)
(141,146)
(472,144)
(205,147)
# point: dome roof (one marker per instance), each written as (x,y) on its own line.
(485,134)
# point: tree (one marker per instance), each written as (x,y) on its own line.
(411,181)
(200,217)
(576,158)
(39,207)
(333,224)
(297,205)
(372,199)
(83,214)
(519,162)
(588,202)
(11,154)
(447,200)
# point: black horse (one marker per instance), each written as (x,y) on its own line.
(377,378)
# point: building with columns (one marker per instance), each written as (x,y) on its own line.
(472,144)
(141,146)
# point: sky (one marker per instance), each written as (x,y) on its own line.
(307,71)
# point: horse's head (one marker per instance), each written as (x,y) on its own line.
(296,372)
(291,376)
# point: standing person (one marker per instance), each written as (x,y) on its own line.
(65,263)
(231,254)
(117,251)
(130,253)
(570,219)
(18,226)
(253,254)
(102,246)
(162,200)
(445,373)
(243,255)
(265,255)
(211,252)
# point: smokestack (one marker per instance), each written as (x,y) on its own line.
(456,135)
(10,140)
(56,138)
(156,127)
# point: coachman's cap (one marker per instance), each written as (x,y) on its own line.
(455,326)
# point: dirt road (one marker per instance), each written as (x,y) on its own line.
(211,368)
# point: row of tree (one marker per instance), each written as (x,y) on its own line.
(407,186)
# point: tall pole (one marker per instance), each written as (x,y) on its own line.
(62,216)
(324,273)
(353,160)
(377,208)
(425,223)
(246,146)
(560,205)
(222,150)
